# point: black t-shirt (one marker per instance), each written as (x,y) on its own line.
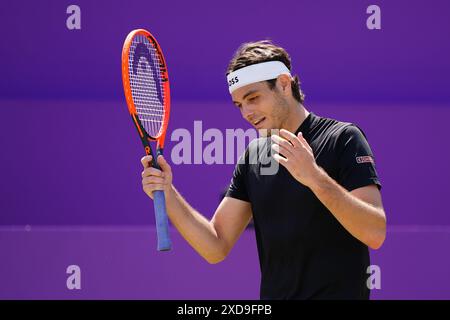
(304,252)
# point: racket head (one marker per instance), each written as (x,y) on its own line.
(146,85)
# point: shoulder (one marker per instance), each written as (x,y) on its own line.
(336,126)
(339,134)
(340,130)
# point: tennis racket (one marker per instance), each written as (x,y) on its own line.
(146,85)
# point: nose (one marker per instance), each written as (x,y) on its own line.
(247,112)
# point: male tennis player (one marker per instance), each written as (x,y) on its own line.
(316,216)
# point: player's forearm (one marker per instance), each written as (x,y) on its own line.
(365,222)
(194,227)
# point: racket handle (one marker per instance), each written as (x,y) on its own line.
(162,223)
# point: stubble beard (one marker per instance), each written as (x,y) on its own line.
(279,115)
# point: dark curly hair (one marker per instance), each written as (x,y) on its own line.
(263,51)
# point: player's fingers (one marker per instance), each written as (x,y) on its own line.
(146,161)
(281,141)
(163,164)
(150,188)
(303,141)
(283,161)
(158,187)
(152,172)
(289,136)
(152,180)
(281,149)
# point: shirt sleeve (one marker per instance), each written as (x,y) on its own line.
(356,161)
(238,188)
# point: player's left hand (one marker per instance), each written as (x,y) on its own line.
(296,155)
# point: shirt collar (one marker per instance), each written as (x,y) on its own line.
(307,124)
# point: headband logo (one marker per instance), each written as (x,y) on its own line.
(255,73)
(233,81)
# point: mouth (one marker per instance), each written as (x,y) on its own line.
(258,122)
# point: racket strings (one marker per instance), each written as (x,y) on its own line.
(146,85)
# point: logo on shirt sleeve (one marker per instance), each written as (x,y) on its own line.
(365,159)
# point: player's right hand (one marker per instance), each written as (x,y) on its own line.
(154,179)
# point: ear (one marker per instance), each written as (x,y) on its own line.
(284,83)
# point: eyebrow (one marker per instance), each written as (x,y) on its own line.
(246,95)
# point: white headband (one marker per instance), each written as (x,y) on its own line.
(255,73)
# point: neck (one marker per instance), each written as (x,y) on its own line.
(297,114)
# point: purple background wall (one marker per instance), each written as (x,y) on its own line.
(338,58)
(73,170)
